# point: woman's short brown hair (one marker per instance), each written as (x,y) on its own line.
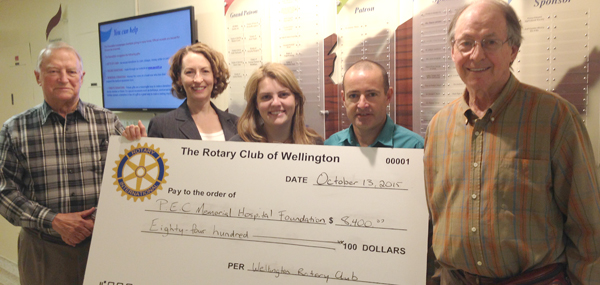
(217,64)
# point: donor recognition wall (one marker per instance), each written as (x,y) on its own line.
(555,53)
(319,40)
(283,230)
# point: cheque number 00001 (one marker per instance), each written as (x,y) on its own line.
(401,161)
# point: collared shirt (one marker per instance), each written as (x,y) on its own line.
(391,135)
(515,190)
(51,165)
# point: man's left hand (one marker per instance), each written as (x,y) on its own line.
(74,227)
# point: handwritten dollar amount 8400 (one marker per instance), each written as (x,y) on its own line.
(354,222)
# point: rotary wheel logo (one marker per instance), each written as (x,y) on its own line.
(140,172)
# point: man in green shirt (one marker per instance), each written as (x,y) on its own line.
(366,94)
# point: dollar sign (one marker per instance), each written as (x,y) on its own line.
(330,220)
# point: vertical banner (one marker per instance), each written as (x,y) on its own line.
(247,44)
(561,53)
(555,50)
(366,30)
(404,65)
(435,80)
(297,39)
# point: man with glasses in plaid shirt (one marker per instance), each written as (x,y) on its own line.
(51,164)
(509,168)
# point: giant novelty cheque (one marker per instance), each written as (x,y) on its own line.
(200,212)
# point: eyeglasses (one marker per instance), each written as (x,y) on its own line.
(488,45)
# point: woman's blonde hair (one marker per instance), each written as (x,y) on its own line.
(217,64)
(250,124)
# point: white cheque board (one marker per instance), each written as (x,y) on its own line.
(200,212)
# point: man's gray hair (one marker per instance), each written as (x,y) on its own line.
(513,26)
(54,46)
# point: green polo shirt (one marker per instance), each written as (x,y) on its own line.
(391,135)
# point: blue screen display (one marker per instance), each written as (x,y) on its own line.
(134,54)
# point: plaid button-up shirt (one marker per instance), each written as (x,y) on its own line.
(515,190)
(50,164)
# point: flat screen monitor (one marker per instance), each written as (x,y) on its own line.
(134,55)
